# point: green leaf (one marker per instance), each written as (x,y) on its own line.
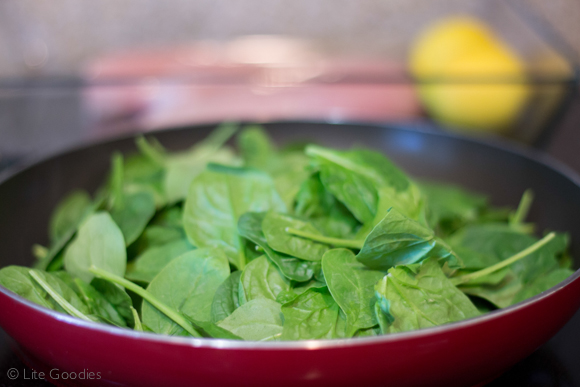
(541,284)
(116,296)
(418,296)
(288,170)
(168,311)
(152,150)
(182,167)
(133,214)
(106,301)
(369,332)
(527,277)
(352,286)
(61,294)
(155,236)
(68,214)
(137,326)
(354,176)
(147,265)
(98,305)
(493,278)
(288,173)
(473,259)
(250,227)
(501,295)
(409,202)
(17,279)
(450,207)
(212,330)
(261,279)
(498,242)
(170,217)
(256,320)
(186,284)
(226,300)
(216,200)
(398,240)
(275,227)
(53,258)
(256,147)
(313,315)
(114,189)
(142,174)
(98,242)
(298,289)
(312,199)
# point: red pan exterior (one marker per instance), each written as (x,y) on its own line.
(460,354)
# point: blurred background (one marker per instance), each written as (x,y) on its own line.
(74,71)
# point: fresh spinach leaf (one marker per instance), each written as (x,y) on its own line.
(399,240)
(116,296)
(186,284)
(418,296)
(181,168)
(53,258)
(171,313)
(354,176)
(261,279)
(450,208)
(147,265)
(61,294)
(226,300)
(256,320)
(541,284)
(352,285)
(275,227)
(256,148)
(142,174)
(98,242)
(287,169)
(155,236)
(250,227)
(17,279)
(133,214)
(313,315)
(68,214)
(212,330)
(216,200)
(98,305)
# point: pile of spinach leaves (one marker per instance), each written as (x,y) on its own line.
(292,244)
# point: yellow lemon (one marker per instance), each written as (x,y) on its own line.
(468,78)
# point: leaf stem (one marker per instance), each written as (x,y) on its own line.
(58,298)
(506,262)
(117,171)
(174,315)
(523,208)
(153,154)
(352,243)
(138,326)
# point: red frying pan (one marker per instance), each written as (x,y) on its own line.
(465,353)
